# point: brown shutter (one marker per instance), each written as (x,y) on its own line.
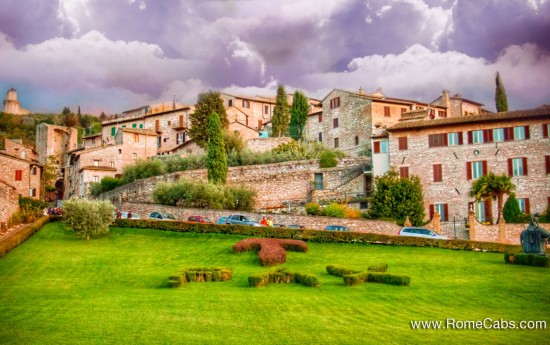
(508,134)
(460,141)
(527,208)
(547,160)
(430,140)
(445,139)
(485,136)
(484,168)
(489,135)
(445,212)
(524,161)
(431,211)
(469,170)
(510,167)
(470,137)
(545,130)
(527,134)
(488,211)
(376,147)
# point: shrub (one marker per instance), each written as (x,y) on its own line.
(283,276)
(334,210)
(200,274)
(142,169)
(88,217)
(511,211)
(271,251)
(174,281)
(340,271)
(29,210)
(328,160)
(313,209)
(527,259)
(356,278)
(378,268)
(386,278)
(352,213)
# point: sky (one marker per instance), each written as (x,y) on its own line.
(115,55)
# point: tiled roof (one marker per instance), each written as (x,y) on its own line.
(139,131)
(541,112)
(100,168)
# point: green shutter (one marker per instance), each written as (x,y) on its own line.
(113,131)
(134,125)
(141,125)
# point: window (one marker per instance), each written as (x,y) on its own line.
(437,140)
(136,137)
(480,136)
(380,147)
(441,113)
(442,209)
(134,125)
(387,111)
(230,103)
(123,126)
(403,110)
(335,103)
(404,172)
(246,104)
(523,204)
(521,133)
(141,125)
(93,141)
(454,139)
(320,137)
(356,140)
(134,156)
(180,138)
(498,135)
(113,131)
(477,137)
(266,109)
(479,210)
(23,155)
(320,117)
(438,172)
(96,162)
(96,178)
(335,123)
(120,151)
(157,125)
(159,141)
(403,144)
(32,192)
(476,169)
(112,164)
(318,181)
(336,143)
(34,170)
(547,162)
(545,130)
(517,166)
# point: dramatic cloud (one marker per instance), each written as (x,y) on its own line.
(114,55)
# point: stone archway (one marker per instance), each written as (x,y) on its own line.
(59,189)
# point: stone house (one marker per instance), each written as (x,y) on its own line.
(457,105)
(22,174)
(91,164)
(8,203)
(448,154)
(15,148)
(348,119)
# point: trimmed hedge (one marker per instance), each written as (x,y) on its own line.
(271,251)
(527,259)
(22,235)
(209,274)
(378,268)
(375,277)
(283,276)
(318,235)
(339,271)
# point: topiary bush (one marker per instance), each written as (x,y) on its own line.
(527,259)
(375,277)
(283,276)
(271,251)
(339,271)
(88,217)
(200,274)
(511,211)
(378,268)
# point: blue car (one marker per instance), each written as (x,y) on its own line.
(241,220)
(221,220)
(336,228)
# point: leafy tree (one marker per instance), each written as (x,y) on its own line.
(494,187)
(328,159)
(102,116)
(66,111)
(397,198)
(500,95)
(281,114)
(233,141)
(49,172)
(511,211)
(216,161)
(207,103)
(71,120)
(142,169)
(298,115)
(88,217)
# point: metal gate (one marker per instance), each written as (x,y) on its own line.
(456,227)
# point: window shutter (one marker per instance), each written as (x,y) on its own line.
(485,136)
(545,130)
(445,140)
(508,134)
(527,208)
(527,135)
(547,160)
(488,211)
(431,211)
(430,140)
(376,147)
(510,167)
(484,167)
(460,141)
(524,162)
(469,170)
(470,137)
(445,212)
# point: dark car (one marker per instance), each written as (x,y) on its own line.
(420,232)
(161,216)
(336,228)
(241,220)
(198,219)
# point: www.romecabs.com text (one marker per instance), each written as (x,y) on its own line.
(486,323)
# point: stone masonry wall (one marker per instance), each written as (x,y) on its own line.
(265,144)
(8,204)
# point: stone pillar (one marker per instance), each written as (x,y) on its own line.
(472,223)
(436,221)
(502,231)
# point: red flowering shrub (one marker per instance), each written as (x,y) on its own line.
(271,251)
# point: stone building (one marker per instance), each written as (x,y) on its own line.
(91,164)
(348,119)
(458,106)
(22,174)
(11,104)
(8,203)
(15,148)
(448,154)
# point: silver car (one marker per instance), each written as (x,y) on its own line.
(421,232)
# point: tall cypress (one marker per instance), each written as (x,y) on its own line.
(500,95)
(281,114)
(216,161)
(298,115)
(207,103)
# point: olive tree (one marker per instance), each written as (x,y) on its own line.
(88,217)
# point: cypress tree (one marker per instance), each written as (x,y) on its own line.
(298,115)
(500,95)
(281,114)
(207,103)
(216,161)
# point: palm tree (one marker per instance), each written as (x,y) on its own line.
(494,187)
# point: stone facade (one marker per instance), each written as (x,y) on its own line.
(275,184)
(15,148)
(23,175)
(265,144)
(56,141)
(8,203)
(449,154)
(11,104)
(458,106)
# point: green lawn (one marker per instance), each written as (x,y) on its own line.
(58,289)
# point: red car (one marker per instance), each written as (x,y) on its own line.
(198,219)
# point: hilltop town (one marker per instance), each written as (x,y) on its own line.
(448,143)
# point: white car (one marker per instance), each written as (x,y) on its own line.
(421,232)
(124,215)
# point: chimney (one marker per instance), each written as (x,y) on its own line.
(445,99)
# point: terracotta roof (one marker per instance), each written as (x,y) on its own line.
(30,162)
(100,168)
(382,98)
(540,112)
(263,99)
(139,131)
(92,135)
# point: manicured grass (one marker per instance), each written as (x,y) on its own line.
(58,289)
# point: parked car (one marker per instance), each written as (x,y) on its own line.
(161,216)
(198,219)
(124,215)
(295,226)
(336,228)
(241,220)
(221,220)
(420,232)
